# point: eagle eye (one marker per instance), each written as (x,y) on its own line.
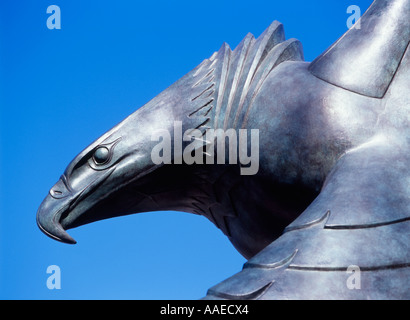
(101,155)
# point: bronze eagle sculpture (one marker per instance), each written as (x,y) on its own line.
(316,178)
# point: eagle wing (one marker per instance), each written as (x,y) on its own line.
(352,242)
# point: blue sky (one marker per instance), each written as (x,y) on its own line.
(62,89)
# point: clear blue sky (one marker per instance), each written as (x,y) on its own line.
(62,89)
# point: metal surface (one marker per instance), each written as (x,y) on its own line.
(332,188)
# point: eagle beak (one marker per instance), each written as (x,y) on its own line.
(51,210)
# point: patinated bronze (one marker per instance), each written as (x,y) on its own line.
(331,188)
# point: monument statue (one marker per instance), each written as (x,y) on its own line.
(316,180)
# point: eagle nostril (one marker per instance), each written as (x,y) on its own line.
(58,194)
(61,189)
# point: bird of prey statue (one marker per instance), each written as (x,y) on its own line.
(314,188)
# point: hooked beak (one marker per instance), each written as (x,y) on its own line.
(59,204)
(51,210)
